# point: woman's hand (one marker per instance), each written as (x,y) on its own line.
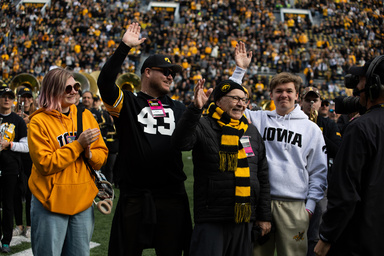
(87,137)
(88,152)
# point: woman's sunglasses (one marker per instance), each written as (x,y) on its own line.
(68,88)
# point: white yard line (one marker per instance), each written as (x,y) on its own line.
(20,239)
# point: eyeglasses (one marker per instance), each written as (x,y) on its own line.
(166,72)
(324,104)
(237,99)
(68,88)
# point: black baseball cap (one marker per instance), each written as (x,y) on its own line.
(6,90)
(160,61)
(325,103)
(95,97)
(25,91)
(311,89)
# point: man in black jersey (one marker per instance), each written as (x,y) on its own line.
(153,209)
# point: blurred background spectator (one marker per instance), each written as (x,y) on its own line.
(200,37)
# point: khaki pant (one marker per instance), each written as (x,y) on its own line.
(291,222)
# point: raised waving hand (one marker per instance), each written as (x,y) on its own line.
(132,36)
(201,97)
(242,57)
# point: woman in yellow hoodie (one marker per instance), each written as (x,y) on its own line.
(63,188)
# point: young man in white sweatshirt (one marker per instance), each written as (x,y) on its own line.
(297,167)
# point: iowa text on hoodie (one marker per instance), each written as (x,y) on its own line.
(296,155)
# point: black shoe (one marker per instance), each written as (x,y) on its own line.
(5,248)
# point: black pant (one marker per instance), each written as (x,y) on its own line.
(18,207)
(221,238)
(165,225)
(8,185)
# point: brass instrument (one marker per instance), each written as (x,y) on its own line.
(92,83)
(264,104)
(86,81)
(129,81)
(20,106)
(267,105)
(95,75)
(313,114)
(22,109)
(26,80)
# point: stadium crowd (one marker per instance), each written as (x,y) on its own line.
(82,34)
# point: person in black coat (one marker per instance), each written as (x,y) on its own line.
(353,223)
(231,182)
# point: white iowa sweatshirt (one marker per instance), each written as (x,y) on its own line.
(296,155)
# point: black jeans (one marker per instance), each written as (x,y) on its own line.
(18,207)
(8,185)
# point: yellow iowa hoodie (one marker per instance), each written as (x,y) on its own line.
(59,178)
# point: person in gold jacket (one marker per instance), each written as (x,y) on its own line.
(63,189)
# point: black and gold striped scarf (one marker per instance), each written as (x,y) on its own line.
(233,158)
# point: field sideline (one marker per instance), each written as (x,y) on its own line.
(101,233)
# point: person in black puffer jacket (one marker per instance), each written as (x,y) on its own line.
(231,184)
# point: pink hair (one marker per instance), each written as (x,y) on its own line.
(52,88)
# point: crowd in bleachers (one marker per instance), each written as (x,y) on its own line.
(82,34)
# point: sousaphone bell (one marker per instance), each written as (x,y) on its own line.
(25,80)
(87,82)
(129,81)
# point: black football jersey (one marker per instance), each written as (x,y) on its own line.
(146,159)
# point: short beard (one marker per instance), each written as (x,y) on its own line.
(157,87)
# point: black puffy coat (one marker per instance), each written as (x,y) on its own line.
(214,190)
